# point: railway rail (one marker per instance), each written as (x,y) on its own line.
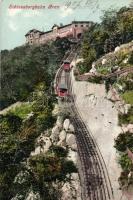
(95,182)
(69,56)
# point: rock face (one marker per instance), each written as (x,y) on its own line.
(62,135)
(70,190)
(71,141)
(66,124)
(71,128)
(33,196)
(59,122)
(43,145)
(55,134)
(104,61)
(62,139)
(117,49)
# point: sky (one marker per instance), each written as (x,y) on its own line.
(16,22)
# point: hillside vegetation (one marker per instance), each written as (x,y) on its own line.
(27,74)
(115,29)
(26,66)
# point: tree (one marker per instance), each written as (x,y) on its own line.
(109,20)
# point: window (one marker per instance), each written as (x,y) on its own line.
(87,25)
(76,25)
(82,25)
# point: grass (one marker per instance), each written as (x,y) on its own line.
(128,97)
(22,111)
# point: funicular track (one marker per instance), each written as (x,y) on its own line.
(95,182)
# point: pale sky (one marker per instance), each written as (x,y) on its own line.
(15,23)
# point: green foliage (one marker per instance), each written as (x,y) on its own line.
(121,29)
(126,118)
(89,55)
(69,167)
(22,111)
(63,44)
(103,70)
(45,168)
(95,79)
(45,120)
(115,29)
(82,68)
(125,162)
(9,124)
(124,141)
(28,66)
(51,168)
(6,178)
(128,97)
(109,20)
(33,68)
(42,108)
(15,146)
(131,58)
(58,151)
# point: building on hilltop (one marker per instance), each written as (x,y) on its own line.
(73,30)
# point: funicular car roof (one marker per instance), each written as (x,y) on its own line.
(62,86)
(67,61)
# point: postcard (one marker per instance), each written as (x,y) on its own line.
(66,100)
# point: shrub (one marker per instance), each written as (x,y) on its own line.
(59,151)
(69,167)
(44,121)
(51,168)
(123,141)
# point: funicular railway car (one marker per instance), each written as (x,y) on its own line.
(62,91)
(62,87)
(66,66)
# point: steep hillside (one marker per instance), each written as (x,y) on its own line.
(27,73)
(26,66)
